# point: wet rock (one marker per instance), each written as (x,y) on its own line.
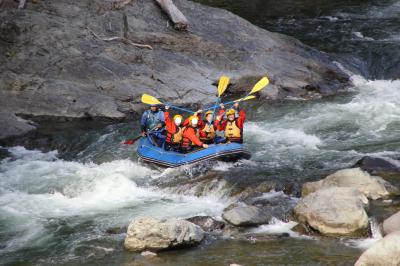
(116,230)
(55,62)
(148,233)
(373,187)
(246,216)
(334,211)
(385,252)
(12,125)
(391,224)
(207,223)
(378,164)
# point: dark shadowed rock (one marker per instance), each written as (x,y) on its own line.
(207,223)
(55,62)
(378,164)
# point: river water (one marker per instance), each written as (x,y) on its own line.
(55,207)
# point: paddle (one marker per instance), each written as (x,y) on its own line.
(132,141)
(148,99)
(235,101)
(222,86)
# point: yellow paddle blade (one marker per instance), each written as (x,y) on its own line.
(245,98)
(261,84)
(148,99)
(222,85)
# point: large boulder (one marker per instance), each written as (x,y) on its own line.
(55,61)
(334,211)
(148,233)
(373,187)
(385,252)
(391,224)
(246,216)
(378,164)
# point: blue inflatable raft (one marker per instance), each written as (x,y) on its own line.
(157,155)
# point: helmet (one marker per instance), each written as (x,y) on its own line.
(231,112)
(153,105)
(209,112)
(177,119)
(193,120)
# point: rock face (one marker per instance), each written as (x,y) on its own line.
(151,234)
(391,224)
(334,211)
(56,63)
(12,125)
(246,216)
(385,252)
(378,164)
(373,187)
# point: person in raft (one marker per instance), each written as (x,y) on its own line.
(206,127)
(191,135)
(152,123)
(174,129)
(232,126)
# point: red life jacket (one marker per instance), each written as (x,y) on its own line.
(186,142)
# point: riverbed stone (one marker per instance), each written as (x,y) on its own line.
(391,224)
(334,211)
(207,223)
(373,187)
(385,252)
(147,233)
(246,216)
(55,62)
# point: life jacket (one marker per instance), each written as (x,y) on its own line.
(209,131)
(232,131)
(186,142)
(176,137)
(153,119)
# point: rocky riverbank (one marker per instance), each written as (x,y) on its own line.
(55,63)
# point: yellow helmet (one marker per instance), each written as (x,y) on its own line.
(209,112)
(231,112)
(178,116)
(193,120)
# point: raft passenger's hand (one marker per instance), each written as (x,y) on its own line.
(159,125)
(205,146)
(143,134)
(222,106)
(167,107)
(236,105)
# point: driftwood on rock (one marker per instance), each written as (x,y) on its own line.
(174,14)
(21,4)
(124,39)
(116,5)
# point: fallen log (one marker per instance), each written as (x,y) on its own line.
(174,14)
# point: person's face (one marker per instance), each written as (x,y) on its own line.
(231,117)
(153,108)
(209,117)
(178,121)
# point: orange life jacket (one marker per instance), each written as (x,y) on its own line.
(175,138)
(209,131)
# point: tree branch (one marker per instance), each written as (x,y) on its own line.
(174,14)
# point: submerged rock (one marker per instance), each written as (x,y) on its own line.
(385,252)
(334,211)
(56,62)
(391,224)
(378,164)
(373,187)
(246,216)
(148,233)
(207,223)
